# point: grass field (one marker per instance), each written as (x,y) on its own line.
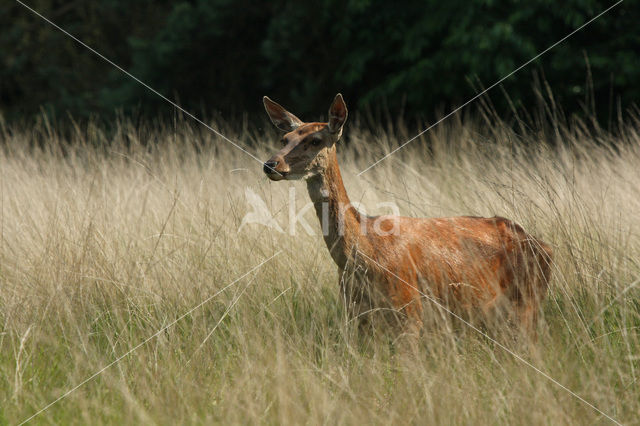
(105,240)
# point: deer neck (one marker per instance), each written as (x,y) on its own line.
(339,220)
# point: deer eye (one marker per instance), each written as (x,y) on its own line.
(283,141)
(315,141)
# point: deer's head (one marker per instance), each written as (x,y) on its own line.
(305,146)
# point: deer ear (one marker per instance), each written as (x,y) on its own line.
(337,114)
(280,117)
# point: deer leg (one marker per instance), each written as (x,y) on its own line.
(527,311)
(408,304)
(527,319)
(356,301)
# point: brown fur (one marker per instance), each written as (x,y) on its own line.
(468,263)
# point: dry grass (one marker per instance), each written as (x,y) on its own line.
(106,239)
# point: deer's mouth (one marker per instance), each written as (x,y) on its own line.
(276,176)
(270,168)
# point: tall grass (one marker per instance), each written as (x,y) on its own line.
(106,239)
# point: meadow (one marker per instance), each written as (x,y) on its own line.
(107,238)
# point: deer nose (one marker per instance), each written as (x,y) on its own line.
(270,167)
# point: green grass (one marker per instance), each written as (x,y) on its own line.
(106,240)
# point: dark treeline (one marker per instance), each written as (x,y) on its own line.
(410,58)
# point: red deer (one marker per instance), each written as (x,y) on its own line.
(392,262)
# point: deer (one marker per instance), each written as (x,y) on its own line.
(394,263)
